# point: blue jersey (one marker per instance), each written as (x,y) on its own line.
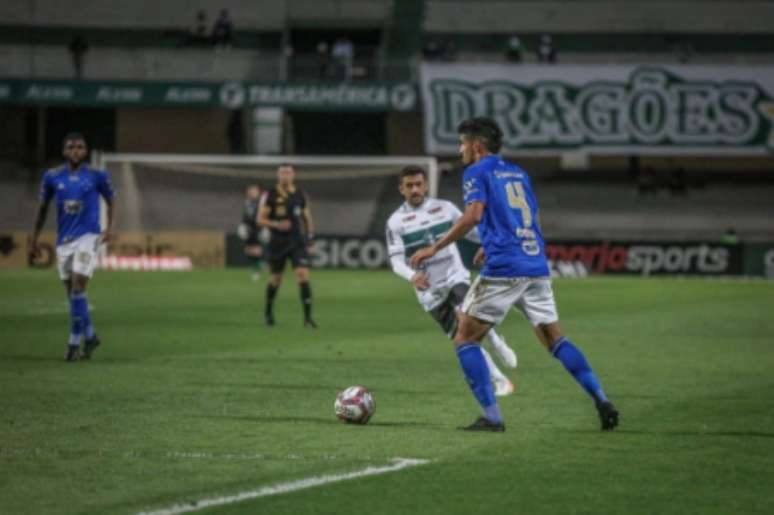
(509,228)
(77,199)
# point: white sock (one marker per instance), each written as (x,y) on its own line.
(495,339)
(495,373)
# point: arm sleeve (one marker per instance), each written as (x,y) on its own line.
(267,201)
(105,187)
(396,251)
(46,188)
(473,187)
(456,214)
(400,267)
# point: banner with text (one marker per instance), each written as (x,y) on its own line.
(231,95)
(131,250)
(648,258)
(604,109)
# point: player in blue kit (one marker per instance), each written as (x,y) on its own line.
(499,199)
(76,188)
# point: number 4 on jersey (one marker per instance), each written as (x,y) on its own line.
(518,200)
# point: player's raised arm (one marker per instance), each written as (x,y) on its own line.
(472,215)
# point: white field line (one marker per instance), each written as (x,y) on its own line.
(292,486)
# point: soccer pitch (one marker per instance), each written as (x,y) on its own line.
(191,397)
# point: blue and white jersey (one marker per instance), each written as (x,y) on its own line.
(509,228)
(77,199)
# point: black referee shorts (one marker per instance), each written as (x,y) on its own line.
(294,251)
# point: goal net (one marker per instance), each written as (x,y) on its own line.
(350,196)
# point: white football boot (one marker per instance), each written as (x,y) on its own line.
(502,349)
(503,387)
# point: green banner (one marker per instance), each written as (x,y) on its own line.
(759,259)
(231,95)
(605,108)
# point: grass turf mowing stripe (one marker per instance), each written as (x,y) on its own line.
(281,488)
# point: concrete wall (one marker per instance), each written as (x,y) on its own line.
(26,61)
(248,14)
(181,130)
(745,16)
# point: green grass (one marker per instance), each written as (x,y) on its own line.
(191,397)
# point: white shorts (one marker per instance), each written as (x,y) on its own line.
(489,299)
(78,256)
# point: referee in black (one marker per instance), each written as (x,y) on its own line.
(285,211)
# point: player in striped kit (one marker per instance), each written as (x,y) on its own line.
(443,281)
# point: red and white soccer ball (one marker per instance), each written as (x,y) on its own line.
(355,405)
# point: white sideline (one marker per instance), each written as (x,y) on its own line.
(281,488)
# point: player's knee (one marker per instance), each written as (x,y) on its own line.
(275,280)
(549,335)
(79,282)
(469,330)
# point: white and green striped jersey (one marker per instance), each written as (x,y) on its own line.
(411,228)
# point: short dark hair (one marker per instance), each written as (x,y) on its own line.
(74,136)
(410,171)
(484,129)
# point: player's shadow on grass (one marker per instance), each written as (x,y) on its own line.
(51,358)
(755,434)
(315,420)
(60,359)
(308,387)
(30,358)
(267,386)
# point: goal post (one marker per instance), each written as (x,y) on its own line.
(349,195)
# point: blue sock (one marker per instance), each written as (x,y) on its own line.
(82,306)
(477,374)
(76,320)
(575,363)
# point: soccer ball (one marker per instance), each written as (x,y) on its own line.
(355,405)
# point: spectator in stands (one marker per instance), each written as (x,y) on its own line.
(343,54)
(449,51)
(323,60)
(78,48)
(432,50)
(677,184)
(222,30)
(514,51)
(198,35)
(730,237)
(546,53)
(646,182)
(684,52)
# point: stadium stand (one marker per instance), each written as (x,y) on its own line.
(125,43)
(597,31)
